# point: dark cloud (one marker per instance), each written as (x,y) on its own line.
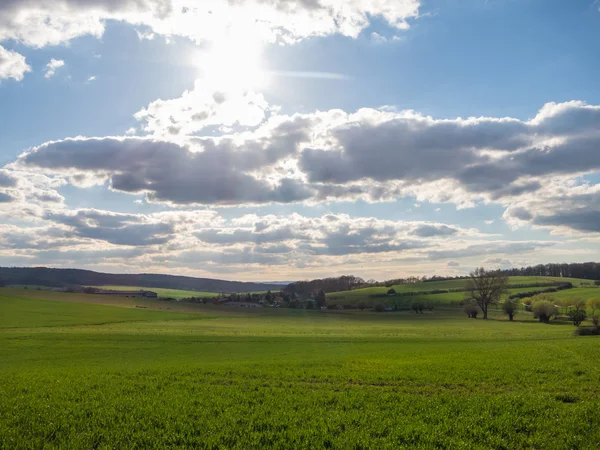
(579,219)
(172,173)
(487,249)
(118,229)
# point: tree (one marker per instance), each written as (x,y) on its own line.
(321,299)
(576,310)
(511,307)
(379,307)
(362,306)
(594,305)
(269,297)
(392,291)
(485,288)
(544,310)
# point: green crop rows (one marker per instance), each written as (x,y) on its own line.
(80,375)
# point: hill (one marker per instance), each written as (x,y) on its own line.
(449,291)
(44,276)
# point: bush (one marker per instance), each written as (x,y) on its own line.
(544,310)
(391,292)
(593,305)
(471,309)
(510,307)
(577,316)
(361,306)
(418,306)
(560,287)
(379,307)
(576,310)
(587,331)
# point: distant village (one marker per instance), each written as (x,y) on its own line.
(281,299)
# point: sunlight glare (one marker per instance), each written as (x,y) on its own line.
(233,63)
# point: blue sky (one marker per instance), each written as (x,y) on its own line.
(271,140)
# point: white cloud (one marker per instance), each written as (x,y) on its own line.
(488,222)
(201,107)
(92,78)
(39,23)
(373,155)
(12,65)
(53,66)
(378,38)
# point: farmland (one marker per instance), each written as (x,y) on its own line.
(170,293)
(368,295)
(82,375)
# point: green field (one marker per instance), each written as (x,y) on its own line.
(166,293)
(365,295)
(84,375)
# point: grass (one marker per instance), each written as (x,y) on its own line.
(167,293)
(82,375)
(365,295)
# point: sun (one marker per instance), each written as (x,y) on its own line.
(233,63)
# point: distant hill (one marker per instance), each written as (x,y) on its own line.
(44,276)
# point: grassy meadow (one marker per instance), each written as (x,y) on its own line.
(166,293)
(76,374)
(452,298)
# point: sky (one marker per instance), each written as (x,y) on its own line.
(266,140)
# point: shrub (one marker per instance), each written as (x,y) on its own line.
(510,307)
(471,309)
(418,306)
(544,310)
(391,292)
(593,305)
(587,331)
(577,316)
(576,310)
(379,307)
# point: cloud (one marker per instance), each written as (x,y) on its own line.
(378,38)
(201,107)
(492,247)
(92,78)
(38,23)
(118,229)
(434,230)
(53,66)
(563,207)
(12,65)
(5,198)
(373,155)
(204,242)
(214,171)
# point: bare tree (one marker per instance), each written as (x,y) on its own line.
(485,288)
